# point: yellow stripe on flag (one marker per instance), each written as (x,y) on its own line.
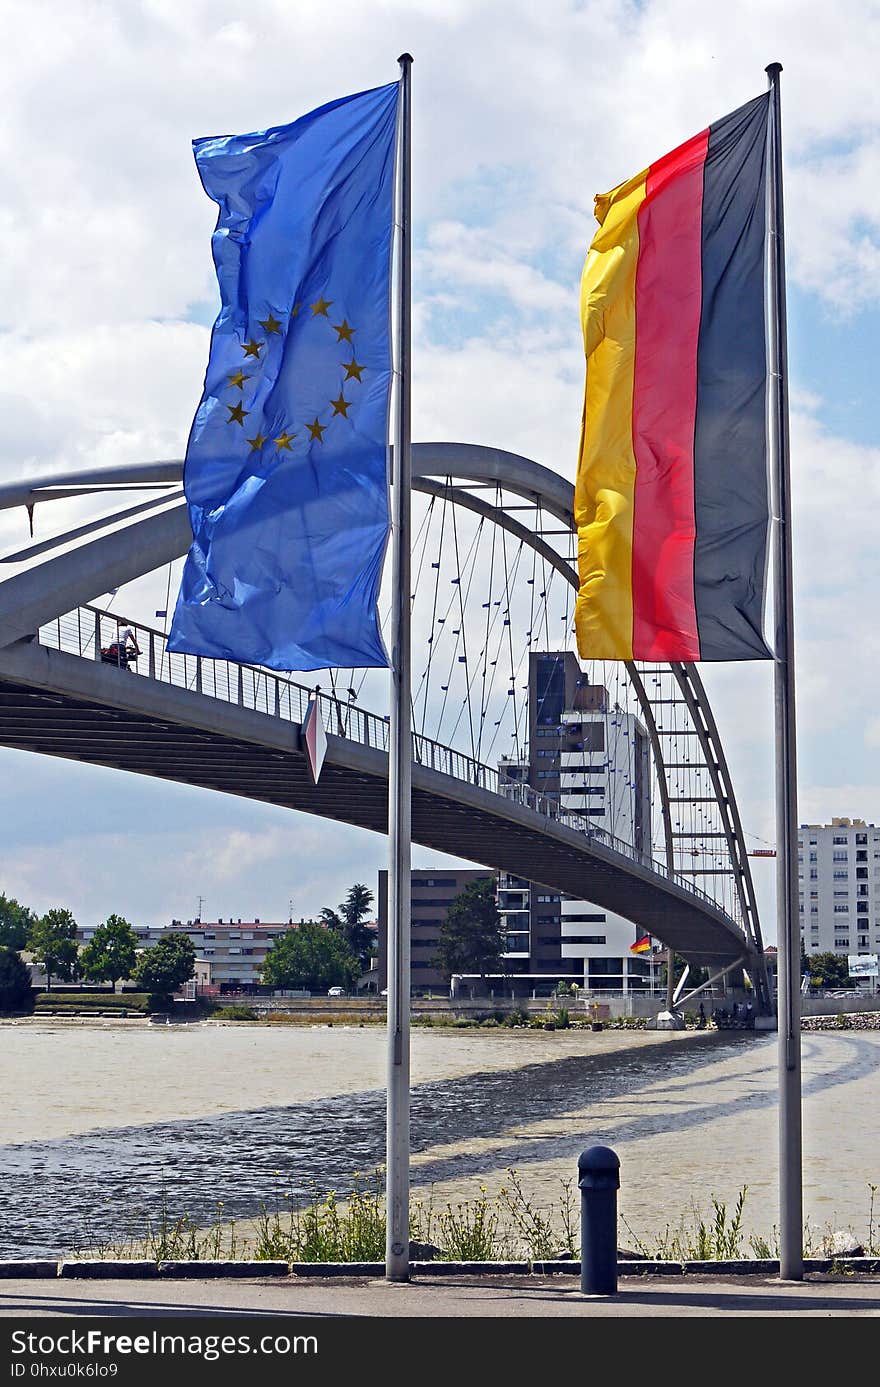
(606,465)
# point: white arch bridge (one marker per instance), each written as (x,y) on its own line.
(489,519)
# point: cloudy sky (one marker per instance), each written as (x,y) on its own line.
(521,114)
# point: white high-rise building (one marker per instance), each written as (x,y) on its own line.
(839,887)
(593,759)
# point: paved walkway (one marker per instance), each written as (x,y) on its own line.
(464,1296)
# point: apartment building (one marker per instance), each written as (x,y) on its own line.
(433,891)
(235,950)
(593,758)
(839,887)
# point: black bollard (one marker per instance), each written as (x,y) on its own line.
(598,1182)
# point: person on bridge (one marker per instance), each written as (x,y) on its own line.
(123,649)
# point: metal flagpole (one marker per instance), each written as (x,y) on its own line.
(400,743)
(791,1257)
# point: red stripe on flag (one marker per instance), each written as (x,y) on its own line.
(668,308)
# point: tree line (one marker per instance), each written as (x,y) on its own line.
(331,951)
(111,955)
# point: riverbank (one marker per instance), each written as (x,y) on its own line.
(850,1017)
(843,1021)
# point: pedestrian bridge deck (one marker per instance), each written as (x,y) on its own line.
(238,730)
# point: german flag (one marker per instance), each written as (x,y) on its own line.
(642,945)
(671,501)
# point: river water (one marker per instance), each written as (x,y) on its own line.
(100,1123)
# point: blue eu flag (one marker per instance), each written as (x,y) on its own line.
(286,466)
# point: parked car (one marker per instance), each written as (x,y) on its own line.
(336,992)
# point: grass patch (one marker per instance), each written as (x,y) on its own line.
(509,1226)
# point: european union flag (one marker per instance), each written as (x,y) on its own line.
(286,467)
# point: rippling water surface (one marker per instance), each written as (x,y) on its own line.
(198,1120)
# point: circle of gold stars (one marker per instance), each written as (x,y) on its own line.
(253,350)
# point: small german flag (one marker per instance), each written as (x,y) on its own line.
(642,945)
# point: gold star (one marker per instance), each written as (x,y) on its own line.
(353,369)
(257,442)
(237,413)
(238,379)
(317,430)
(284,440)
(294,312)
(269,324)
(344,331)
(320,306)
(341,406)
(253,348)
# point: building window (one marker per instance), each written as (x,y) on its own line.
(606,967)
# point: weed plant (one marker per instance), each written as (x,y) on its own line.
(509,1226)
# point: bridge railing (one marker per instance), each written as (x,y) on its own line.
(88,631)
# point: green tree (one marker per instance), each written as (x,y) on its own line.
(16,993)
(16,923)
(348,921)
(53,943)
(828,970)
(312,956)
(111,953)
(472,938)
(167,965)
